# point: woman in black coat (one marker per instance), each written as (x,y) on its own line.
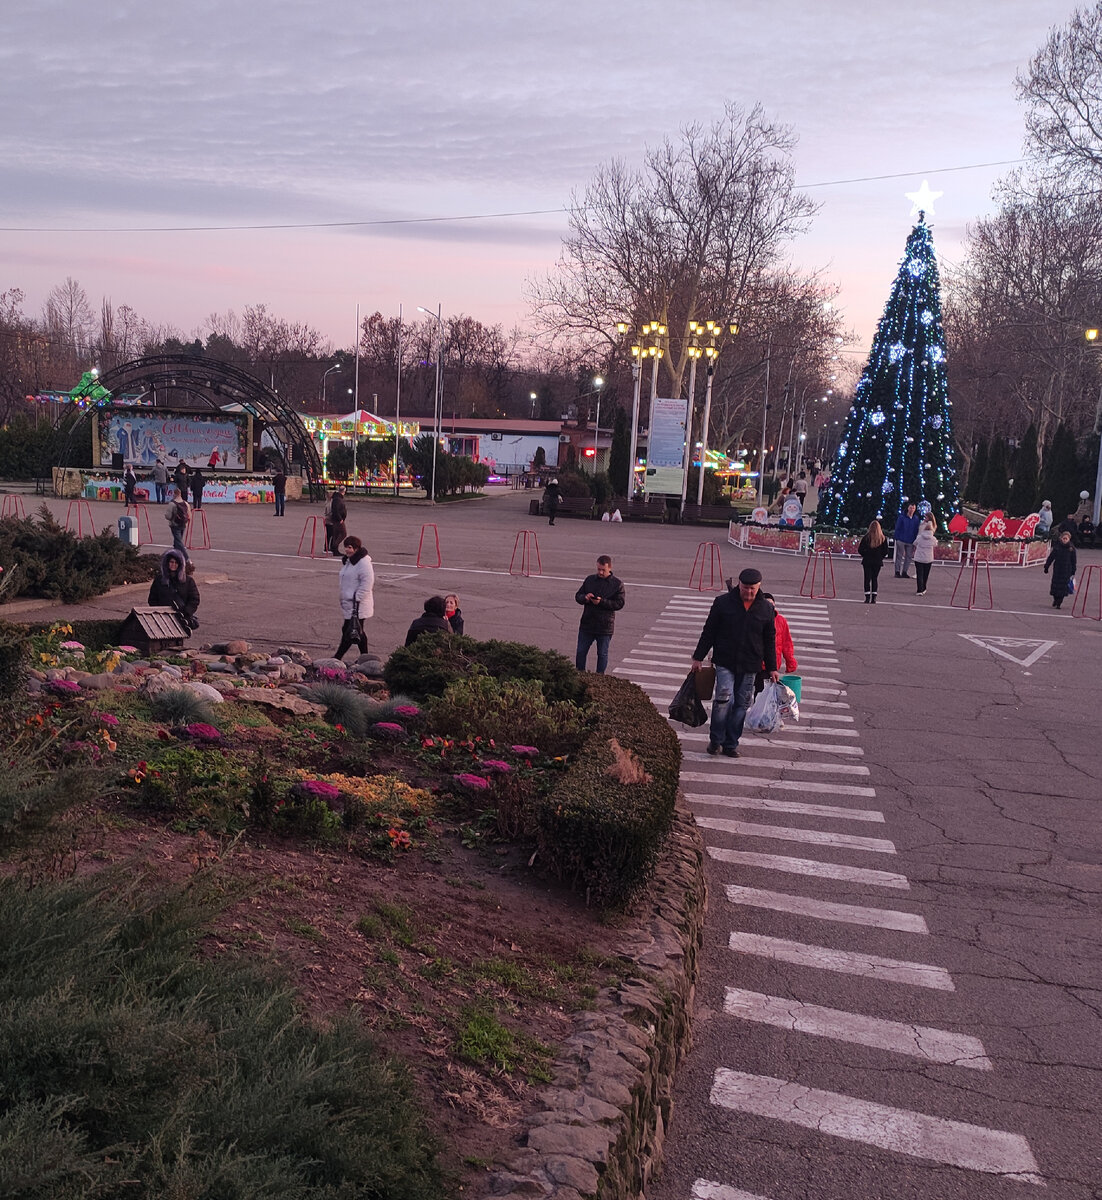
(175,588)
(1061,558)
(552,498)
(873,548)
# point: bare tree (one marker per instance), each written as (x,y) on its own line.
(684,238)
(68,316)
(1063,94)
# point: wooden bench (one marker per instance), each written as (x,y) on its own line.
(710,514)
(653,509)
(569,506)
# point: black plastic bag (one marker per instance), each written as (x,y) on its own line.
(685,707)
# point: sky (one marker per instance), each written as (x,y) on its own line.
(145,147)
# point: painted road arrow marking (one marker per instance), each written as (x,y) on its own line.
(1006,645)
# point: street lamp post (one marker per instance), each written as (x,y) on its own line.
(695,354)
(598,383)
(636,378)
(321,390)
(436,410)
(1096,505)
(711,352)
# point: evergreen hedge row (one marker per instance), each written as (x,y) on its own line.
(601,835)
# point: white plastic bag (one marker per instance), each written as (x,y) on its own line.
(764,715)
(616,518)
(787,699)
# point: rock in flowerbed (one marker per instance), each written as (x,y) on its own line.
(212,670)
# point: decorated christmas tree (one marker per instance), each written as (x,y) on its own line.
(897,445)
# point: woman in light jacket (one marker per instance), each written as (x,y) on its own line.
(925,544)
(357,582)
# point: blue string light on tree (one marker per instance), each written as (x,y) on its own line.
(897,440)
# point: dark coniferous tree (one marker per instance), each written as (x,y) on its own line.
(1060,480)
(897,445)
(996,480)
(976,472)
(1023,498)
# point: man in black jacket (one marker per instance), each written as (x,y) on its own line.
(741,635)
(602,597)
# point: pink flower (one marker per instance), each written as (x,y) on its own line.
(525,751)
(388,729)
(407,710)
(107,719)
(129,649)
(63,687)
(72,645)
(202,732)
(495,764)
(319,789)
(473,783)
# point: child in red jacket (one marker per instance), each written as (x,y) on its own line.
(786,652)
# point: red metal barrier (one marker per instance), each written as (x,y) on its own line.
(819,564)
(202,516)
(140,511)
(1093,573)
(421,543)
(83,513)
(525,547)
(316,529)
(973,568)
(707,551)
(13,506)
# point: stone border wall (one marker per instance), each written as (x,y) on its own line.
(605,1116)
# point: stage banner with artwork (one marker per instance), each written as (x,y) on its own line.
(666,448)
(142,436)
(215,491)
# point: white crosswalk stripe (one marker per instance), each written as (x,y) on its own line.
(752,759)
(782,785)
(828,811)
(936,1138)
(813,837)
(846,962)
(826,910)
(919,1041)
(705,1189)
(811,866)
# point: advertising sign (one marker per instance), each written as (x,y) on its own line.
(666,448)
(142,436)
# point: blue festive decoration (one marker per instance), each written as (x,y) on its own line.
(898,442)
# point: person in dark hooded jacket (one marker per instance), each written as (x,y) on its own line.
(432,620)
(175,588)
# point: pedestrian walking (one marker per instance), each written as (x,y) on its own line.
(279,488)
(129,483)
(873,549)
(800,487)
(198,482)
(1044,518)
(178,514)
(432,620)
(601,596)
(906,530)
(336,514)
(160,480)
(179,478)
(176,588)
(925,545)
(356,585)
(741,634)
(552,498)
(1062,560)
(453,612)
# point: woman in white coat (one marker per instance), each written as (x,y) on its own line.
(357,582)
(925,544)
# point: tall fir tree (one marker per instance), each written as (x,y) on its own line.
(996,479)
(897,446)
(1060,480)
(1023,491)
(976,472)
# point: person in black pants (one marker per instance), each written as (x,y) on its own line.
(873,548)
(279,487)
(198,482)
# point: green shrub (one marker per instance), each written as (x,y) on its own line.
(134,1067)
(343,706)
(509,711)
(57,565)
(436,660)
(599,834)
(180,706)
(14,650)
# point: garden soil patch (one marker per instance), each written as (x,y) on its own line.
(415,948)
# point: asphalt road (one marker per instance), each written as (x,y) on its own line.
(902,986)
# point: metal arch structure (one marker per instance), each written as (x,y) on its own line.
(215,384)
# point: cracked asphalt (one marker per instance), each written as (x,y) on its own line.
(988,774)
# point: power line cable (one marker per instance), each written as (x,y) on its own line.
(496,216)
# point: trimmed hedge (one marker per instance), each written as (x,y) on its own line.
(598,834)
(436,660)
